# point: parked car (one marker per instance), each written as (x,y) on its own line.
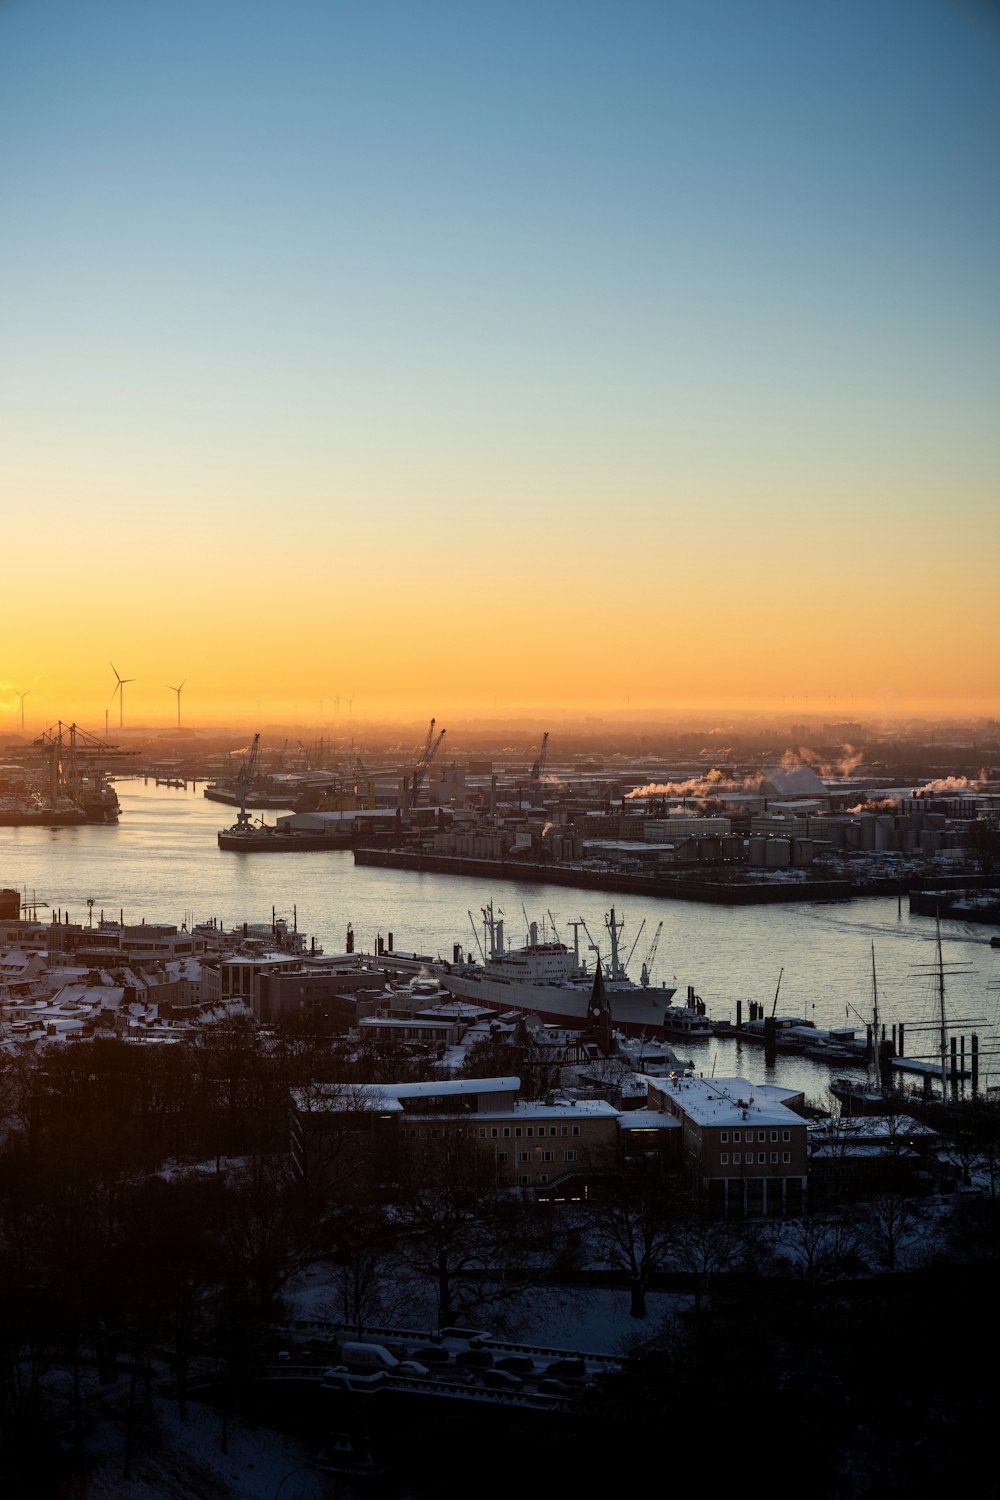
(367,1356)
(474,1358)
(411,1367)
(432,1355)
(517,1364)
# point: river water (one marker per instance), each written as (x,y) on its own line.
(161,863)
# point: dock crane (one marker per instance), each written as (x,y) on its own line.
(244,781)
(364,783)
(647,963)
(539,765)
(411,794)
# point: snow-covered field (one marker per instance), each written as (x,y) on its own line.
(175,1460)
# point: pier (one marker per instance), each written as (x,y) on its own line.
(681,887)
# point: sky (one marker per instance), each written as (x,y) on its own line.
(462,357)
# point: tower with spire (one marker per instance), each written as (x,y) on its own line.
(599,1013)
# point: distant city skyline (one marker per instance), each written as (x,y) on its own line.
(568,358)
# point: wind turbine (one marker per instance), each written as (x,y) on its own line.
(177,690)
(22,697)
(120,690)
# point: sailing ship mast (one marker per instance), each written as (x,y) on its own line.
(875,1030)
(941,1017)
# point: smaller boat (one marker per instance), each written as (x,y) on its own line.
(652,1057)
(688,1022)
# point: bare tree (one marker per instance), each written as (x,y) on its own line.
(476,1242)
(707,1247)
(637,1219)
(364,1254)
(822,1250)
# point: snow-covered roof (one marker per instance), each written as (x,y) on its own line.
(729,1101)
(447,1087)
(648,1119)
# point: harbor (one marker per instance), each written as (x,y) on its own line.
(161,862)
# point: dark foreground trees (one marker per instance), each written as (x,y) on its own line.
(474,1241)
(849,1392)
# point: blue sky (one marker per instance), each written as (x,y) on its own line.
(409,266)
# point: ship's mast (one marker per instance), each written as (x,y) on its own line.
(942,1019)
(614,928)
(875,1032)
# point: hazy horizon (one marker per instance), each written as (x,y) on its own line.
(608,730)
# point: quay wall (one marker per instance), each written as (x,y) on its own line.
(681,888)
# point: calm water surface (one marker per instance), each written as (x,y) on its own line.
(162,863)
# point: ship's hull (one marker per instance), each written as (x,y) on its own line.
(37,817)
(635,1010)
(257,842)
(858,1098)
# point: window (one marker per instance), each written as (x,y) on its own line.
(576,1130)
(774,1156)
(494,1132)
(548,1156)
(570,1155)
(736,1135)
(482,1132)
(501,1158)
(786,1135)
(517,1130)
(737,1157)
(524,1156)
(724,1158)
(761,1158)
(506,1132)
(724,1136)
(786,1156)
(762,1135)
(530,1130)
(552,1130)
(524,1180)
(562,1130)
(774,1135)
(543,1177)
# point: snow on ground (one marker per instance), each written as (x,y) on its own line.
(585,1319)
(175,1460)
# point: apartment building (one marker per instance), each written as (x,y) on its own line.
(743,1145)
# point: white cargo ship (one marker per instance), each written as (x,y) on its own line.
(553,981)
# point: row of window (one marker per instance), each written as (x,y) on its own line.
(786,1135)
(497,1131)
(524,1157)
(740,1156)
